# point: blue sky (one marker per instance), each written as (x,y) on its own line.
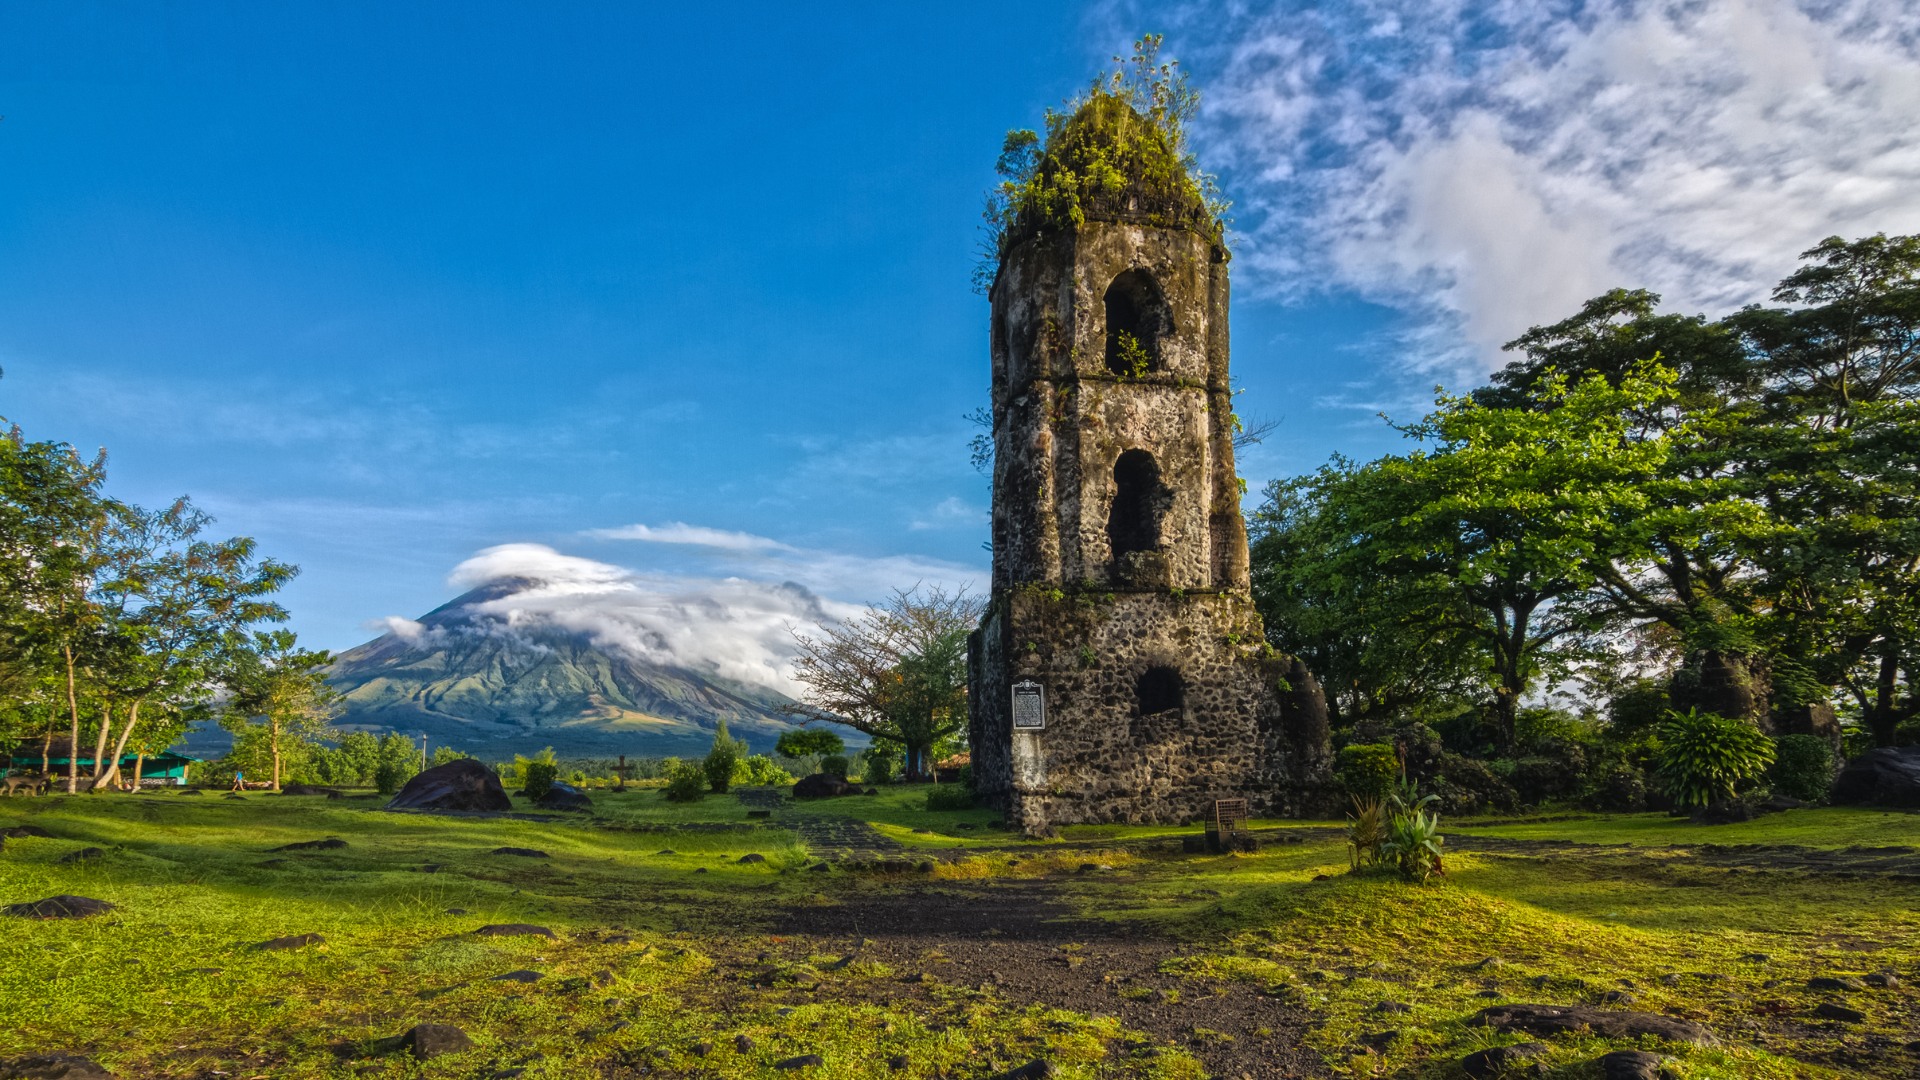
(684,292)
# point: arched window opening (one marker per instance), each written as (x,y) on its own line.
(1139,500)
(1161,689)
(1137,318)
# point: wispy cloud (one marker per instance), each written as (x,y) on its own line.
(679,532)
(1490,166)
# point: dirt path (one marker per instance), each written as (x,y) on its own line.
(1016,939)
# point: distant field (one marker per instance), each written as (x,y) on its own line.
(1107,952)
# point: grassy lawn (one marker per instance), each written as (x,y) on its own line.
(645,962)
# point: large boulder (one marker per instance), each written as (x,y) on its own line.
(458,785)
(822,786)
(1889,776)
(563,796)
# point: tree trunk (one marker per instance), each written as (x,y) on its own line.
(100,747)
(46,753)
(126,734)
(139,766)
(73,735)
(916,762)
(273,741)
(1884,718)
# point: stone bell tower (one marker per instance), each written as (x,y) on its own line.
(1120,673)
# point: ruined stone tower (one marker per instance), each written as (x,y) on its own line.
(1120,673)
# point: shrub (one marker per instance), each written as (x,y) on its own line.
(809,742)
(879,766)
(537,778)
(1367,770)
(1413,839)
(950,797)
(719,762)
(761,771)
(390,774)
(1704,758)
(1802,767)
(834,765)
(966,776)
(686,782)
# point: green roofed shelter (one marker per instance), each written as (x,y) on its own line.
(166,769)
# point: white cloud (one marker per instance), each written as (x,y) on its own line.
(679,532)
(950,512)
(1493,165)
(399,626)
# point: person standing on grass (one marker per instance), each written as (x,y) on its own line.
(239,781)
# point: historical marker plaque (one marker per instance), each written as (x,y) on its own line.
(1029,706)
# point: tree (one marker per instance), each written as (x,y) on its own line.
(177,610)
(1500,532)
(897,672)
(280,690)
(54,521)
(1369,636)
(809,742)
(721,758)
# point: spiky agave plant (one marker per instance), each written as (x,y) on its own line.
(1413,841)
(1366,832)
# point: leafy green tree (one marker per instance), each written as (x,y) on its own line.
(399,762)
(1503,526)
(280,690)
(809,742)
(178,610)
(719,763)
(897,673)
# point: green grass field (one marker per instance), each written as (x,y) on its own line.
(642,968)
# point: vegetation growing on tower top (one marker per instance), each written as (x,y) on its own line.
(1119,151)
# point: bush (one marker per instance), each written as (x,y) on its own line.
(879,767)
(686,783)
(1802,767)
(834,765)
(1366,832)
(1413,840)
(391,775)
(1368,770)
(761,771)
(950,797)
(537,777)
(1704,758)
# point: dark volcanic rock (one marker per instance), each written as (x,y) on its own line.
(1517,1060)
(1835,982)
(1037,1069)
(1584,1019)
(743,1044)
(59,907)
(1630,1065)
(331,843)
(431,1040)
(85,854)
(1831,1011)
(293,941)
(514,929)
(803,1061)
(564,796)
(52,1067)
(752,857)
(822,786)
(521,976)
(21,832)
(458,785)
(1888,776)
(522,852)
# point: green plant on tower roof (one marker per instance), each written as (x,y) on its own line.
(1119,148)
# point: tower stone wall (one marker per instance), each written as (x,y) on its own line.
(1121,616)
